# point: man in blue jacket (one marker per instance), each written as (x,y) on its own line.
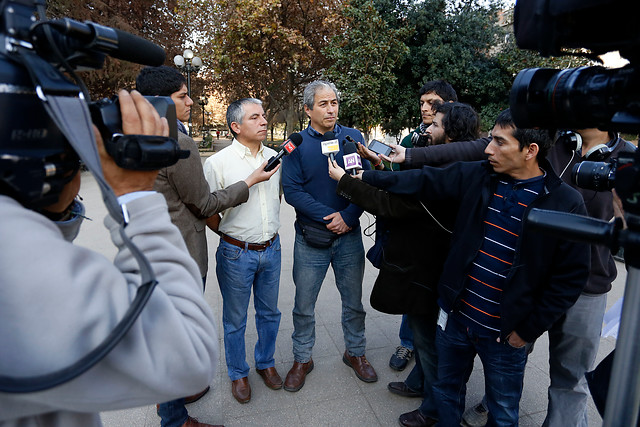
(502,286)
(327,233)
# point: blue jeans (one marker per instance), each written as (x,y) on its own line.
(238,271)
(573,345)
(503,374)
(310,265)
(405,333)
(173,413)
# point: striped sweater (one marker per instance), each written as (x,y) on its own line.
(487,277)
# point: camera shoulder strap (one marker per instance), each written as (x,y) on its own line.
(66,107)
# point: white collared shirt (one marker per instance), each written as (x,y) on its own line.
(257,220)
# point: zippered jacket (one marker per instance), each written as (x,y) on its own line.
(548,273)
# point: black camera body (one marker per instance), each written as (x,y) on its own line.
(138,152)
(584,97)
(38,60)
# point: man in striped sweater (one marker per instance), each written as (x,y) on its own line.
(502,285)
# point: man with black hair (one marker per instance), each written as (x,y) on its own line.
(432,93)
(409,268)
(188,195)
(502,286)
(453,121)
(574,339)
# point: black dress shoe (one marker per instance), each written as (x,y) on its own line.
(416,419)
(401,389)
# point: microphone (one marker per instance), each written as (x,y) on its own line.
(287,147)
(330,145)
(116,43)
(351,158)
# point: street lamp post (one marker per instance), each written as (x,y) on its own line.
(202,101)
(188,63)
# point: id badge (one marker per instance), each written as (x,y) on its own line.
(443,317)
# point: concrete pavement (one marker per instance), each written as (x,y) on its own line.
(332,395)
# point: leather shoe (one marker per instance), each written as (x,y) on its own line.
(401,389)
(192,422)
(416,419)
(271,378)
(297,373)
(361,366)
(195,397)
(241,390)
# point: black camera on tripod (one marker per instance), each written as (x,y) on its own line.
(38,87)
(584,97)
(589,97)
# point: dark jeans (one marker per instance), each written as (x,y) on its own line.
(425,371)
(405,333)
(503,374)
(173,413)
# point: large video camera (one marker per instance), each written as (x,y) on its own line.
(46,127)
(38,60)
(584,97)
(589,97)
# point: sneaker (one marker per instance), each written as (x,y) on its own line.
(400,358)
(476,416)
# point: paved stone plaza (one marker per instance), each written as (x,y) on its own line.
(332,395)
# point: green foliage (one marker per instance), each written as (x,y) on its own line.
(269,49)
(362,63)
(450,41)
(378,52)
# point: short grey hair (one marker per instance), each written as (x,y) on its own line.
(235,111)
(309,95)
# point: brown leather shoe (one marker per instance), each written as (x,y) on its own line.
(241,390)
(416,419)
(297,373)
(361,366)
(195,397)
(192,422)
(271,378)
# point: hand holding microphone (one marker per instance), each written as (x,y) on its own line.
(335,171)
(287,147)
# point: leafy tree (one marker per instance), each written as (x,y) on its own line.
(154,20)
(450,41)
(362,63)
(269,49)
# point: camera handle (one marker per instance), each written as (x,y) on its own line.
(623,397)
(65,105)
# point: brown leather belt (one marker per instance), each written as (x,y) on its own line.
(249,246)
